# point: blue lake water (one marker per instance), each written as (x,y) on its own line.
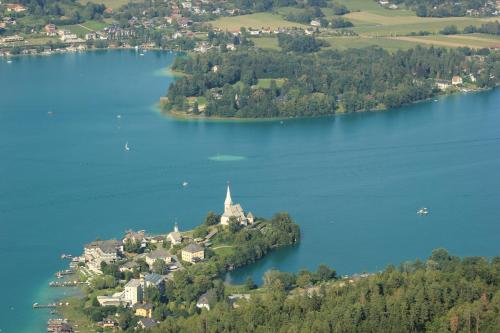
(353,182)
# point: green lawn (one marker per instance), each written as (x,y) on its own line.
(343,43)
(266,43)
(266,83)
(255,21)
(86,27)
(472,40)
(114,4)
(373,7)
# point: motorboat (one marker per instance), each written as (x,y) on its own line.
(423,211)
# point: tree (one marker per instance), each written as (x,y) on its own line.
(249,284)
(212,218)
(324,273)
(160,267)
(234,225)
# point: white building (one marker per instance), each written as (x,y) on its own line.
(236,211)
(175,236)
(133,292)
(101,251)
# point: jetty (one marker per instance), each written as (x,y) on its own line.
(49,305)
(65,283)
(60,274)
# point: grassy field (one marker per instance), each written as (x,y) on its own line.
(258,20)
(472,41)
(114,4)
(344,43)
(86,27)
(266,83)
(373,7)
(266,43)
(392,27)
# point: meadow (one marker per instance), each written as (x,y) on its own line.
(256,21)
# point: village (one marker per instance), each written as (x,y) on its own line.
(145,263)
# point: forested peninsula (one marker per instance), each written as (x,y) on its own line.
(442,294)
(300,82)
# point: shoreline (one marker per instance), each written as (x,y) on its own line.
(183,116)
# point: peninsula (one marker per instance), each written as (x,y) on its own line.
(143,279)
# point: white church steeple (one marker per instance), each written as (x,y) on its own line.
(228,202)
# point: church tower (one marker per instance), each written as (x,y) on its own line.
(228,202)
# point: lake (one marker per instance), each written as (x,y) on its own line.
(353,182)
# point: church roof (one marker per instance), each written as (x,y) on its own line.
(175,236)
(234,210)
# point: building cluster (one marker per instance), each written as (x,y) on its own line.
(490,8)
(153,249)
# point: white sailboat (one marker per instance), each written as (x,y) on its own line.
(185,184)
(127,148)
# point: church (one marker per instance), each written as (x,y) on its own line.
(231,210)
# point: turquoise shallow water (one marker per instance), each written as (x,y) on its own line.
(353,182)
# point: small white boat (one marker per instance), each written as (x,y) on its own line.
(185,184)
(435,100)
(50,113)
(423,211)
(127,148)
(141,54)
(119,116)
(9,61)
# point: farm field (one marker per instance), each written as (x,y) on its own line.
(257,20)
(390,44)
(113,4)
(472,41)
(392,28)
(266,43)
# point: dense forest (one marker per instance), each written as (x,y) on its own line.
(259,83)
(443,294)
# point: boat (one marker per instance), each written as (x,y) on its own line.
(119,116)
(423,211)
(127,148)
(9,61)
(435,100)
(185,184)
(141,54)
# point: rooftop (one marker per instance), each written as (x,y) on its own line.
(193,248)
(133,283)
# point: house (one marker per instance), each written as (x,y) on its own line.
(50,30)
(107,251)
(144,310)
(230,47)
(153,280)
(175,236)
(456,80)
(12,39)
(443,84)
(193,253)
(115,300)
(145,323)
(315,23)
(139,236)
(129,266)
(15,7)
(236,211)
(203,302)
(159,253)
(91,36)
(233,299)
(108,323)
(133,292)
